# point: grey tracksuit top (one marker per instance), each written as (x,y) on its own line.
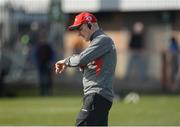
(97,63)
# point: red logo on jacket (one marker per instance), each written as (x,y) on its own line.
(98,63)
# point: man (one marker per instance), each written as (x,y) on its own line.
(137,48)
(174,63)
(44,56)
(97,63)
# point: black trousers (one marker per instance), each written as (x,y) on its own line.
(94,111)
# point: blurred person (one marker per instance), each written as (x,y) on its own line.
(174,50)
(44,56)
(97,62)
(5,66)
(136,48)
(2,84)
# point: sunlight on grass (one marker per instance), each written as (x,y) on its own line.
(151,110)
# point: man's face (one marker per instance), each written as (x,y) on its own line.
(84,32)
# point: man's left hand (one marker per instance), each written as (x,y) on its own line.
(60,66)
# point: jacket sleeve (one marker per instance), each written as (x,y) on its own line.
(96,49)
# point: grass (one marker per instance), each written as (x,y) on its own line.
(151,110)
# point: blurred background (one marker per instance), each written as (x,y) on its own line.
(32,32)
(146,35)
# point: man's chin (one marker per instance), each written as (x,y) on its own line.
(85,39)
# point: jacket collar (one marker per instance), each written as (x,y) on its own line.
(96,33)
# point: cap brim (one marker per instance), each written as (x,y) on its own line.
(73,27)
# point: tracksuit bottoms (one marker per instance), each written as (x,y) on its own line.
(94,111)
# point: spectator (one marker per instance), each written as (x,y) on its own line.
(136,47)
(44,56)
(5,65)
(174,65)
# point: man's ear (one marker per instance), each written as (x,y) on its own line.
(89,25)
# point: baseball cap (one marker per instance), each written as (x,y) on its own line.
(84,17)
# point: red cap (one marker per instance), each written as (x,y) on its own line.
(82,18)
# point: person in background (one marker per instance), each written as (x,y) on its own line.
(44,56)
(136,48)
(5,65)
(174,62)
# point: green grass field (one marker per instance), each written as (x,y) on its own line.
(151,110)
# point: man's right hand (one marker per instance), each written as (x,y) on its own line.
(60,66)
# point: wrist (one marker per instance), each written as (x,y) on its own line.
(67,61)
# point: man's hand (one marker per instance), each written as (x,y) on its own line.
(60,66)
